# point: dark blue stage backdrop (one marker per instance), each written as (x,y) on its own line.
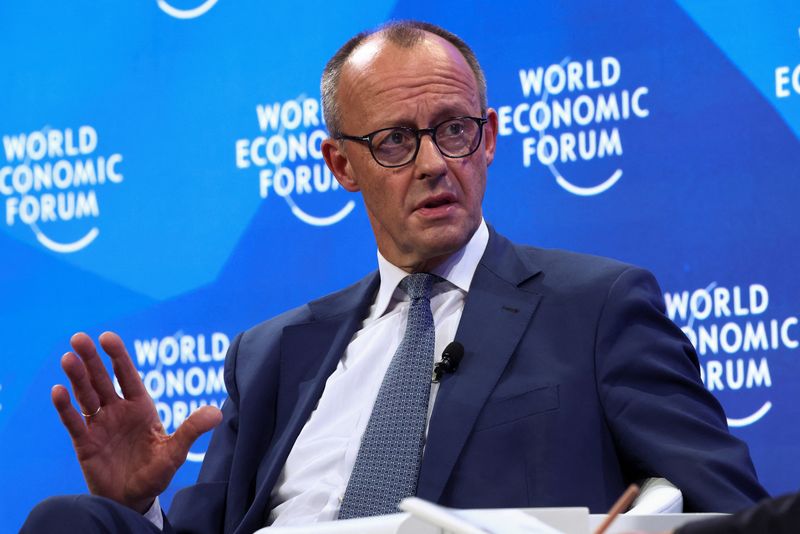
(160,175)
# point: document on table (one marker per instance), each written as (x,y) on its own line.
(505,521)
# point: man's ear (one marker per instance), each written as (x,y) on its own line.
(490,135)
(337,161)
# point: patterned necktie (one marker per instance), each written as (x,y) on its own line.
(388,460)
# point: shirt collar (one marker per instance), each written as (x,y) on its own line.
(458,269)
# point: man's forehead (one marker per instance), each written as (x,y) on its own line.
(366,53)
(379,47)
(432,65)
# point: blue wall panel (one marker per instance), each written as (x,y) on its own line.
(160,176)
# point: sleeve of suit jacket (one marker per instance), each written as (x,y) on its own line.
(776,516)
(219,499)
(200,508)
(664,421)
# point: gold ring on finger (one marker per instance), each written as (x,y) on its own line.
(88,415)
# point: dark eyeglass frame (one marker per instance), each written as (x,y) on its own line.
(418,133)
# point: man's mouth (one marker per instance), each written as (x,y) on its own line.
(437,201)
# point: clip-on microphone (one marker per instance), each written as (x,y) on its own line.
(451,357)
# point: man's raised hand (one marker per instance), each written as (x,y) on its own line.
(124,453)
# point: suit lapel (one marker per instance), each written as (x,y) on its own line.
(309,354)
(496,315)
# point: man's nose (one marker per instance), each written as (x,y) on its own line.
(430,162)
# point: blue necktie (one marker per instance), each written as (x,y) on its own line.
(387,465)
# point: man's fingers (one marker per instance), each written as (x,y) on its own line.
(199,422)
(84,391)
(128,377)
(98,375)
(69,416)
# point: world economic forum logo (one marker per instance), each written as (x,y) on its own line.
(573,112)
(181,13)
(288,156)
(51,183)
(182,372)
(735,336)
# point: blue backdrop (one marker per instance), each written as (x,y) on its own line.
(160,176)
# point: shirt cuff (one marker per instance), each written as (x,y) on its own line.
(153,514)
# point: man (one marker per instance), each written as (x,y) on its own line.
(573,382)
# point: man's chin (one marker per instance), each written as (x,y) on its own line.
(441,243)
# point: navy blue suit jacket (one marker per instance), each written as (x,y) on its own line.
(573,384)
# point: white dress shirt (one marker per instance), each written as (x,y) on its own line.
(318,468)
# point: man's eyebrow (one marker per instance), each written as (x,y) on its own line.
(446,112)
(406,123)
(449,112)
(438,118)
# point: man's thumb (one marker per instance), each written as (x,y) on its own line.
(199,422)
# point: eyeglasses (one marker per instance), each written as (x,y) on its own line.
(397,146)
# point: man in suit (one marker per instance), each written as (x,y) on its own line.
(573,383)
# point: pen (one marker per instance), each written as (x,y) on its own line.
(622,504)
